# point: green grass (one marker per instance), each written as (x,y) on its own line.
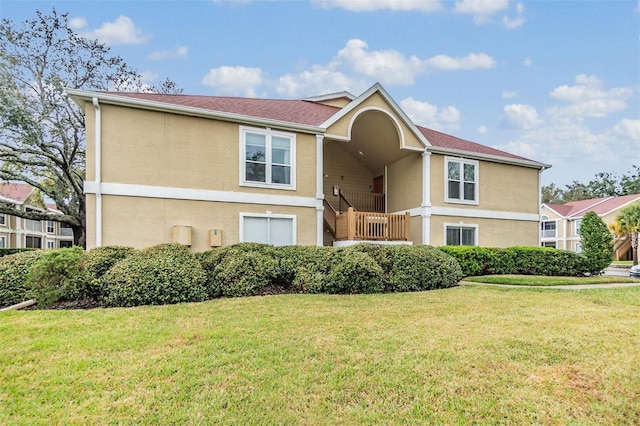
(538,280)
(622,262)
(467,355)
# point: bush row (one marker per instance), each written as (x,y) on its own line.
(7,251)
(170,273)
(476,261)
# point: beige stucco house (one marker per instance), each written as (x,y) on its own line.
(16,232)
(209,171)
(560,224)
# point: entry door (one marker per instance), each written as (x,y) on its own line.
(378,184)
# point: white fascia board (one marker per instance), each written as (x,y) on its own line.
(148,191)
(475,214)
(330,96)
(394,106)
(10,200)
(488,157)
(111,99)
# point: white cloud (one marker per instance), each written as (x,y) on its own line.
(121,31)
(506,94)
(372,5)
(317,80)
(78,22)
(469,62)
(178,52)
(228,80)
(527,62)
(588,98)
(482,10)
(517,21)
(628,129)
(520,116)
(428,115)
(483,130)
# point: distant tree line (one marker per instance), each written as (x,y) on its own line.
(603,185)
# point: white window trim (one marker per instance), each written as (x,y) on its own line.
(52,243)
(3,241)
(3,221)
(461,225)
(53,226)
(476,194)
(269,215)
(269,133)
(576,231)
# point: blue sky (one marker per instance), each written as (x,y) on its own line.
(554,81)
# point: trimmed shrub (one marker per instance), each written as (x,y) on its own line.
(303,268)
(95,263)
(14,277)
(353,271)
(417,268)
(55,276)
(158,275)
(474,260)
(13,250)
(244,273)
(541,261)
(377,252)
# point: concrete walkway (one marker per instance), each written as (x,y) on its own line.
(559,287)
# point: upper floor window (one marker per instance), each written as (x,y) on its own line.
(3,219)
(461,181)
(267,158)
(548,229)
(50,227)
(578,225)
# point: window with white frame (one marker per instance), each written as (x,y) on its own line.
(578,223)
(267,158)
(461,235)
(3,242)
(50,227)
(461,177)
(51,244)
(578,247)
(3,219)
(274,229)
(548,229)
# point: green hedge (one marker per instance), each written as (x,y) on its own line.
(162,274)
(476,261)
(14,277)
(9,251)
(57,276)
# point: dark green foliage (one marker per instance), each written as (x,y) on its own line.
(417,268)
(55,275)
(14,273)
(354,272)
(95,263)
(517,260)
(303,268)
(162,274)
(597,243)
(244,273)
(8,251)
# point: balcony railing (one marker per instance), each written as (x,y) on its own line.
(362,201)
(66,232)
(33,225)
(548,233)
(356,225)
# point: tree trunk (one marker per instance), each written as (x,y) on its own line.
(634,247)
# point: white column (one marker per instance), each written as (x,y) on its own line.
(319,190)
(98,169)
(425,206)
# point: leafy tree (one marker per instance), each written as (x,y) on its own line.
(597,242)
(552,194)
(628,223)
(630,184)
(603,185)
(42,135)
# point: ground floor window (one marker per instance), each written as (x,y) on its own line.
(33,242)
(277,230)
(549,244)
(3,242)
(64,244)
(461,235)
(51,244)
(578,247)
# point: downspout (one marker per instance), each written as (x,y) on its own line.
(98,170)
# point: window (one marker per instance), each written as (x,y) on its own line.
(460,235)
(50,227)
(33,242)
(548,229)
(64,244)
(267,158)
(578,225)
(51,244)
(3,219)
(278,230)
(461,181)
(3,242)
(551,244)
(578,248)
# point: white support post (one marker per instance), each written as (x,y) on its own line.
(319,190)
(425,206)
(98,169)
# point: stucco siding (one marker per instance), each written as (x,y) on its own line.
(491,232)
(404,183)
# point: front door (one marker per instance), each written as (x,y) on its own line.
(378,184)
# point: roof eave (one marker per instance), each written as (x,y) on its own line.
(79,96)
(489,157)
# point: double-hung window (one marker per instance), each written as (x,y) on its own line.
(50,227)
(3,242)
(461,178)
(3,219)
(267,158)
(578,225)
(461,235)
(274,229)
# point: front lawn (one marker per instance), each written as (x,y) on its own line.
(540,280)
(465,355)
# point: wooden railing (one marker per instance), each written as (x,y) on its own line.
(354,225)
(362,201)
(330,217)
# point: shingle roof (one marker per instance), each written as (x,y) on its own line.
(17,192)
(291,111)
(305,112)
(601,206)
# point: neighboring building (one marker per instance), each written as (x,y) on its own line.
(560,224)
(18,232)
(208,171)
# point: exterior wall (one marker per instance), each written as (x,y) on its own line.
(404,184)
(491,232)
(416,229)
(142,222)
(344,170)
